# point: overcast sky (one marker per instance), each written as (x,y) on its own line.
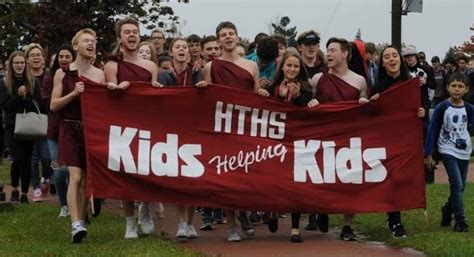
(443,23)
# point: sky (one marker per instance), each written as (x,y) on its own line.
(443,23)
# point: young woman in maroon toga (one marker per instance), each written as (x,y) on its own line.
(65,99)
(336,85)
(232,70)
(128,66)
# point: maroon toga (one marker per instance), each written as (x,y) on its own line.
(229,74)
(331,89)
(127,71)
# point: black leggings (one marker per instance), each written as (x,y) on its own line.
(295,220)
(21,164)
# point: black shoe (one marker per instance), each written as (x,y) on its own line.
(446,216)
(207,225)
(255,217)
(24,198)
(347,234)
(52,189)
(296,238)
(312,223)
(323,222)
(273,224)
(218,216)
(398,231)
(15,197)
(265,218)
(461,227)
(246,225)
(97,207)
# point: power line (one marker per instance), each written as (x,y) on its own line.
(332,17)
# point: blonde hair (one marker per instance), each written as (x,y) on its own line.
(75,39)
(152,50)
(32,46)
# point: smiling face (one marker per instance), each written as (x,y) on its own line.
(145,52)
(180,51)
(35,59)
(291,68)
(18,65)
(85,45)
(129,37)
(65,57)
(391,61)
(211,50)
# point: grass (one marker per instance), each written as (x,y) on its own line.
(38,232)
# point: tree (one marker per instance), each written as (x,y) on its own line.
(288,32)
(467,48)
(52,23)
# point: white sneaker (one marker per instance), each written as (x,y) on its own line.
(234,235)
(37,196)
(131,232)
(78,233)
(147,226)
(64,212)
(192,233)
(182,233)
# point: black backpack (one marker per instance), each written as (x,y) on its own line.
(443,106)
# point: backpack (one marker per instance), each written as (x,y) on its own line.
(443,106)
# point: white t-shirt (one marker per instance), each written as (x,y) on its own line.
(454,138)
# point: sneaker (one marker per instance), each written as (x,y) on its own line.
(147,224)
(347,234)
(234,235)
(44,187)
(296,238)
(398,231)
(246,225)
(192,233)
(37,195)
(446,216)
(182,233)
(131,231)
(312,223)
(323,222)
(461,227)
(15,197)
(64,212)
(78,233)
(255,217)
(24,198)
(207,225)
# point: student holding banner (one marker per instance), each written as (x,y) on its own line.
(290,85)
(392,71)
(128,66)
(65,99)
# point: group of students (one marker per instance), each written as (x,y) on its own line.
(302,77)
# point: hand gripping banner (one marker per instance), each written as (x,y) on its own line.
(228,148)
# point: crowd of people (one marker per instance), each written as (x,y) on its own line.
(301,76)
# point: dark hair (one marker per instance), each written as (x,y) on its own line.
(259,37)
(370,48)
(435,59)
(459,76)
(157,31)
(121,22)
(56,65)
(279,76)
(280,39)
(162,59)
(267,50)
(193,38)
(462,57)
(345,46)
(404,74)
(358,61)
(450,60)
(225,25)
(207,39)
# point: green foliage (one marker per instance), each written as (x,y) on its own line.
(288,32)
(451,53)
(54,23)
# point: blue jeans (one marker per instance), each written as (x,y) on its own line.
(61,174)
(40,152)
(457,172)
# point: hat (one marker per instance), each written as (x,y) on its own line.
(409,50)
(308,37)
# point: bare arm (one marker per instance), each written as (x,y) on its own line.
(206,72)
(256,77)
(110,71)
(58,102)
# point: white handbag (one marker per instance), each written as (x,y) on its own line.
(31,125)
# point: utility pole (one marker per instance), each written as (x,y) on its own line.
(397,23)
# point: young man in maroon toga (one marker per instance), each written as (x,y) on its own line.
(232,70)
(65,99)
(336,85)
(119,72)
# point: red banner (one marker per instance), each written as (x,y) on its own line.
(223,147)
